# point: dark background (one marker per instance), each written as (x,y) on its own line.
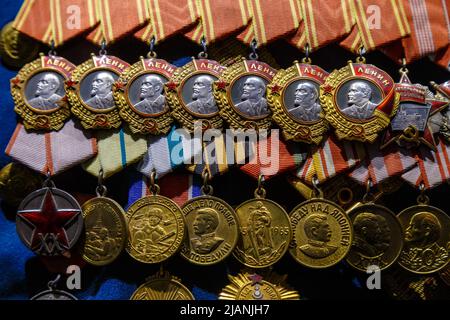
(23,274)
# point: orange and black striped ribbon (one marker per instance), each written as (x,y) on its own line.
(269,20)
(322,22)
(378,22)
(167,18)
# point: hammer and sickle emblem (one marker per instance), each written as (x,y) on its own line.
(410,135)
(101,120)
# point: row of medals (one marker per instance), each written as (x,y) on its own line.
(318,233)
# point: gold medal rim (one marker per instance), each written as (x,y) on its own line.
(416,207)
(397,222)
(293,232)
(234,243)
(124,225)
(171,280)
(179,235)
(284,213)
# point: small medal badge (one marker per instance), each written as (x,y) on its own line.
(412,125)
(359,100)
(90,91)
(139,95)
(190,94)
(440,120)
(38,93)
(293,97)
(241,94)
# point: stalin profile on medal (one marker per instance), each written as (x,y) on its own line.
(318,233)
(306,106)
(253,103)
(205,226)
(202,96)
(359,97)
(151,98)
(46,96)
(372,234)
(422,251)
(101,91)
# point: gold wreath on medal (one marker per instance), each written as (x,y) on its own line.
(190,94)
(38,93)
(241,94)
(90,91)
(293,97)
(359,101)
(139,95)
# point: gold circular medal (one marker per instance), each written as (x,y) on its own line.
(322,233)
(427,239)
(377,237)
(156,229)
(246,286)
(106,230)
(16,48)
(163,287)
(265,233)
(212,230)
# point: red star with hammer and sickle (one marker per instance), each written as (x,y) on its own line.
(221,85)
(256,278)
(327,89)
(276,88)
(48,219)
(16,81)
(71,84)
(172,86)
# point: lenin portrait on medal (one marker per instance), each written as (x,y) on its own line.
(197,94)
(248,94)
(358,99)
(96,89)
(44,90)
(146,94)
(301,99)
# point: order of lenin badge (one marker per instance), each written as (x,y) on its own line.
(90,91)
(293,97)
(139,94)
(38,93)
(359,100)
(241,94)
(190,94)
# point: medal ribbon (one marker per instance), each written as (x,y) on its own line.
(167,18)
(269,20)
(380,165)
(116,150)
(218,19)
(58,20)
(51,152)
(331,158)
(433,168)
(393,23)
(322,22)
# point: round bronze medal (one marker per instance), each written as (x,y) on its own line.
(162,287)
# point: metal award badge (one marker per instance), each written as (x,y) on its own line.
(241,93)
(139,94)
(38,92)
(190,92)
(293,97)
(90,91)
(359,100)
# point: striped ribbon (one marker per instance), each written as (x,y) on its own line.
(393,23)
(331,158)
(269,20)
(52,152)
(322,22)
(433,168)
(116,150)
(178,186)
(167,18)
(380,165)
(58,20)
